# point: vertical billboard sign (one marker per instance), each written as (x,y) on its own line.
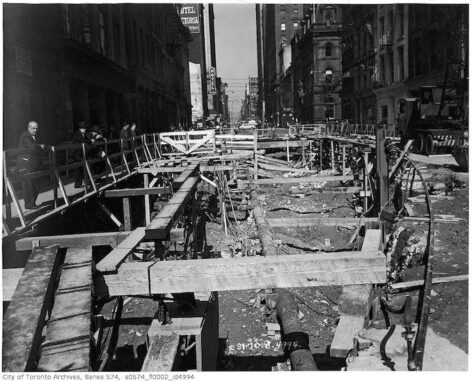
(196,90)
(212,81)
(190,17)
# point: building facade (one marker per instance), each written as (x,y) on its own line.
(276,25)
(101,63)
(391,50)
(316,72)
(359,102)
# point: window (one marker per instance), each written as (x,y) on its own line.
(328,48)
(282,26)
(295,25)
(116,41)
(101,23)
(401,16)
(85,24)
(329,111)
(384,112)
(141,46)
(328,76)
(401,67)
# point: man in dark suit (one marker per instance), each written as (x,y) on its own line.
(30,159)
(80,136)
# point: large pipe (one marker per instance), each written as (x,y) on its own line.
(295,339)
(263,228)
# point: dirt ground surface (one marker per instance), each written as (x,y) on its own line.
(244,342)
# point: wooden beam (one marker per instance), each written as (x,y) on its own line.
(23,320)
(135,192)
(301,270)
(347,329)
(109,213)
(113,260)
(161,354)
(372,240)
(300,180)
(147,200)
(156,170)
(354,305)
(282,144)
(69,323)
(420,283)
(127,213)
(400,159)
(160,226)
(189,171)
(315,221)
(73,240)
(10,278)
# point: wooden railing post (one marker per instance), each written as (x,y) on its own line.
(255,154)
(7,196)
(52,158)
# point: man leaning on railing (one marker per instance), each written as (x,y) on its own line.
(29,159)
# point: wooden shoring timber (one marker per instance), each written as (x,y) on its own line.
(274,161)
(282,144)
(205,275)
(162,354)
(110,214)
(113,260)
(201,322)
(261,172)
(69,324)
(156,170)
(285,169)
(135,192)
(24,318)
(189,171)
(73,240)
(300,180)
(354,305)
(10,278)
(420,282)
(161,225)
(315,221)
(216,168)
(263,228)
(400,159)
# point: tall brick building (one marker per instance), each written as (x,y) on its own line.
(277,24)
(102,63)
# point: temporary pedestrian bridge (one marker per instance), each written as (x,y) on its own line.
(181,167)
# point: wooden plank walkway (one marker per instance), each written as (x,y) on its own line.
(23,320)
(67,343)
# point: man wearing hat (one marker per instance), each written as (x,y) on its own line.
(80,136)
(30,159)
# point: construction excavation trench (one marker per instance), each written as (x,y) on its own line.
(279,250)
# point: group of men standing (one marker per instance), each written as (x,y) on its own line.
(31,152)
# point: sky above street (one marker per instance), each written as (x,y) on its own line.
(236,55)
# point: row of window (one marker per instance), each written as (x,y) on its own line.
(147,51)
(283,26)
